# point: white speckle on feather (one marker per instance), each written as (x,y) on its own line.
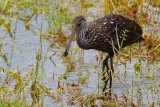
(126,30)
(106,39)
(95,37)
(111,22)
(104,23)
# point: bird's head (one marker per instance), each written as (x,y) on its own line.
(78,23)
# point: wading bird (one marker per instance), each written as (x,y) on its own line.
(107,34)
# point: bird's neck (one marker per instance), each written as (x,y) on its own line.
(82,38)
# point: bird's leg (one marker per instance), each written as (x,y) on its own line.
(110,75)
(105,64)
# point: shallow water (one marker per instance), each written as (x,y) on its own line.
(26,45)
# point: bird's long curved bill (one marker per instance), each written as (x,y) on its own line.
(69,44)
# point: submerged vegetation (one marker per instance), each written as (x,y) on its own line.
(33,35)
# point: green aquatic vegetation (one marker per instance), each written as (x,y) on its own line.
(3,55)
(158,50)
(83,80)
(137,68)
(34,73)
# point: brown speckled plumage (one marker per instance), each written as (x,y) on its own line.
(107,34)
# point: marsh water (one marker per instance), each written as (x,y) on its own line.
(83,67)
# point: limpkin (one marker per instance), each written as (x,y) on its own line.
(107,34)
